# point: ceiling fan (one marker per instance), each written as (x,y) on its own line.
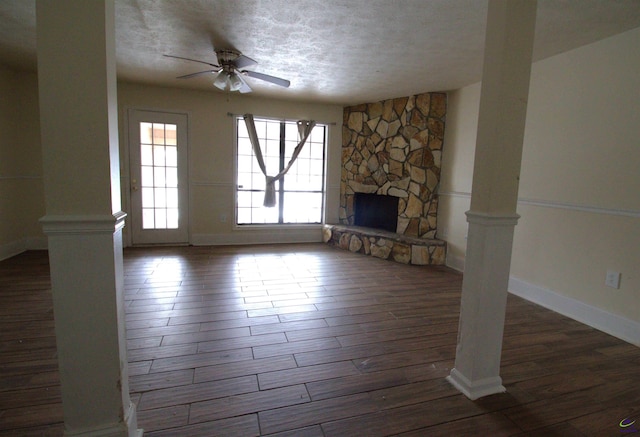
(230,71)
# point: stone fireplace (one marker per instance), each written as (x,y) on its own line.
(393,148)
(376,211)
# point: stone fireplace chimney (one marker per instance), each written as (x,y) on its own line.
(394,148)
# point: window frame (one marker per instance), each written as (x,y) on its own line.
(281,184)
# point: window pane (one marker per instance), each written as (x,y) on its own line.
(244,180)
(261,127)
(273,130)
(317,134)
(245,163)
(273,164)
(302,207)
(271,147)
(244,216)
(244,199)
(258,181)
(291,132)
(244,146)
(242,129)
(316,167)
(316,151)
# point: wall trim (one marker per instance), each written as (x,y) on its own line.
(578,207)
(620,327)
(558,205)
(267,236)
(211,184)
(19,177)
(454,194)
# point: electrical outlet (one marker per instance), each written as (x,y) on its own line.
(613,279)
(223,218)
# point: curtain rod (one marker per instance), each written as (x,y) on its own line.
(231,114)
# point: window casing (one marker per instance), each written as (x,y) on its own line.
(299,193)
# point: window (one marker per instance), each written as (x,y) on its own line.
(300,192)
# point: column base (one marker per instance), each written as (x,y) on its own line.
(477,389)
(127,429)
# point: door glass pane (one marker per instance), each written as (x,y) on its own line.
(171,155)
(146,154)
(147,219)
(145,133)
(159,175)
(172,218)
(171,134)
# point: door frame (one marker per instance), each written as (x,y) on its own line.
(127,175)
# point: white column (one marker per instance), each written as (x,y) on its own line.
(83,222)
(492,217)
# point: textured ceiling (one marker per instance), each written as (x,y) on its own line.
(333,51)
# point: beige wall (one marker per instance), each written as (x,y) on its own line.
(579,194)
(211,160)
(211,152)
(21,189)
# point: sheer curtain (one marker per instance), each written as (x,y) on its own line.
(304,129)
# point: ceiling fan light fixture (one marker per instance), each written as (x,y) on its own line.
(229,75)
(234,82)
(222,80)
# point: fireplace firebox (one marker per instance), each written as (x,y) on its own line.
(376,211)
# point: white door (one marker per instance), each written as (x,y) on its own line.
(159,180)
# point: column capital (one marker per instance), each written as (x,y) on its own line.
(492,219)
(82,224)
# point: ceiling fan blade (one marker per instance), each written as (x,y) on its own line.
(243,61)
(275,80)
(245,88)
(192,60)
(200,73)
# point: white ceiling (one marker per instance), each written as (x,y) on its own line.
(333,51)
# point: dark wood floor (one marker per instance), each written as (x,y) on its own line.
(306,340)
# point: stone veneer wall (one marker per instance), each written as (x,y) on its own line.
(394,147)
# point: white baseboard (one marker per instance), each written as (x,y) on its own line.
(455,262)
(13,248)
(267,236)
(16,247)
(612,324)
